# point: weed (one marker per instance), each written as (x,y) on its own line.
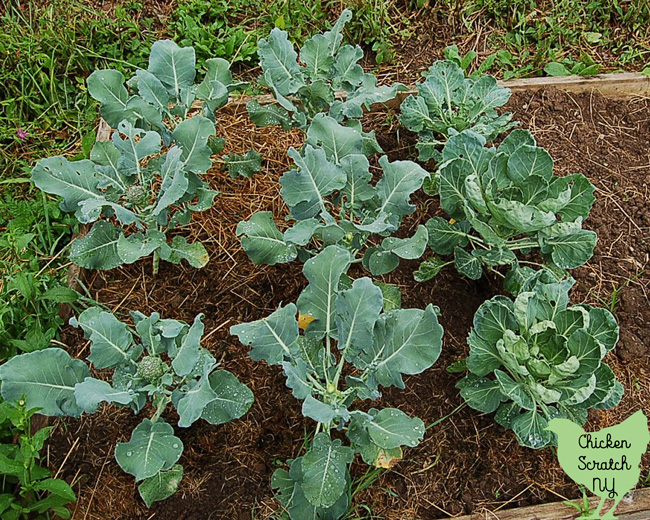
(28,490)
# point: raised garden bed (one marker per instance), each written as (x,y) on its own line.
(465,464)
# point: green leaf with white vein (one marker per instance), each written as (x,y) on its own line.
(379,262)
(570,251)
(272,338)
(528,160)
(444,237)
(73,181)
(313,181)
(138,145)
(161,486)
(480,393)
(193,401)
(98,248)
(107,87)
(357,188)
(179,249)
(399,181)
(105,156)
(429,269)
(324,469)
(514,390)
(530,429)
(192,136)
(91,392)
(152,90)
(263,242)
(337,140)
(391,428)
(130,249)
(280,62)
(188,354)
(45,379)
(581,200)
(110,339)
(245,165)
(153,447)
(174,66)
(323,272)
(408,248)
(357,311)
(319,411)
(233,398)
(467,264)
(603,327)
(268,115)
(406,341)
(317,55)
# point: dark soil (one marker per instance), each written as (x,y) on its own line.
(467,462)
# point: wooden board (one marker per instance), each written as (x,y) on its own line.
(615,86)
(634,507)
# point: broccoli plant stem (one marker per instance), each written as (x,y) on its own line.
(156,262)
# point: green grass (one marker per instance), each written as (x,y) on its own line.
(230,28)
(573,36)
(48,52)
(34,239)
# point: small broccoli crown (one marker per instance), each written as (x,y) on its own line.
(137,195)
(151,368)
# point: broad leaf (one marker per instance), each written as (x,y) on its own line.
(272,338)
(280,62)
(323,272)
(110,339)
(192,136)
(174,66)
(233,398)
(263,242)
(406,341)
(45,379)
(245,165)
(91,392)
(391,428)
(153,447)
(324,467)
(98,248)
(161,486)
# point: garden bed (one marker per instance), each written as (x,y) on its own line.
(465,464)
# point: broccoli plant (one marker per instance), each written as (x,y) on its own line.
(448,103)
(537,357)
(351,345)
(147,180)
(166,366)
(505,200)
(307,84)
(330,196)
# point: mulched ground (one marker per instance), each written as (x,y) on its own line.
(466,463)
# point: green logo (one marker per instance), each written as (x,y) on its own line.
(606,462)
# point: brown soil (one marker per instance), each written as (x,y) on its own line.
(467,462)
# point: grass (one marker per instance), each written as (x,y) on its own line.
(35,235)
(559,37)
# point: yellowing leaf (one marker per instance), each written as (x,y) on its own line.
(304,320)
(387,459)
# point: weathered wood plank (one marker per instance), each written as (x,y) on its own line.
(616,86)
(634,507)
